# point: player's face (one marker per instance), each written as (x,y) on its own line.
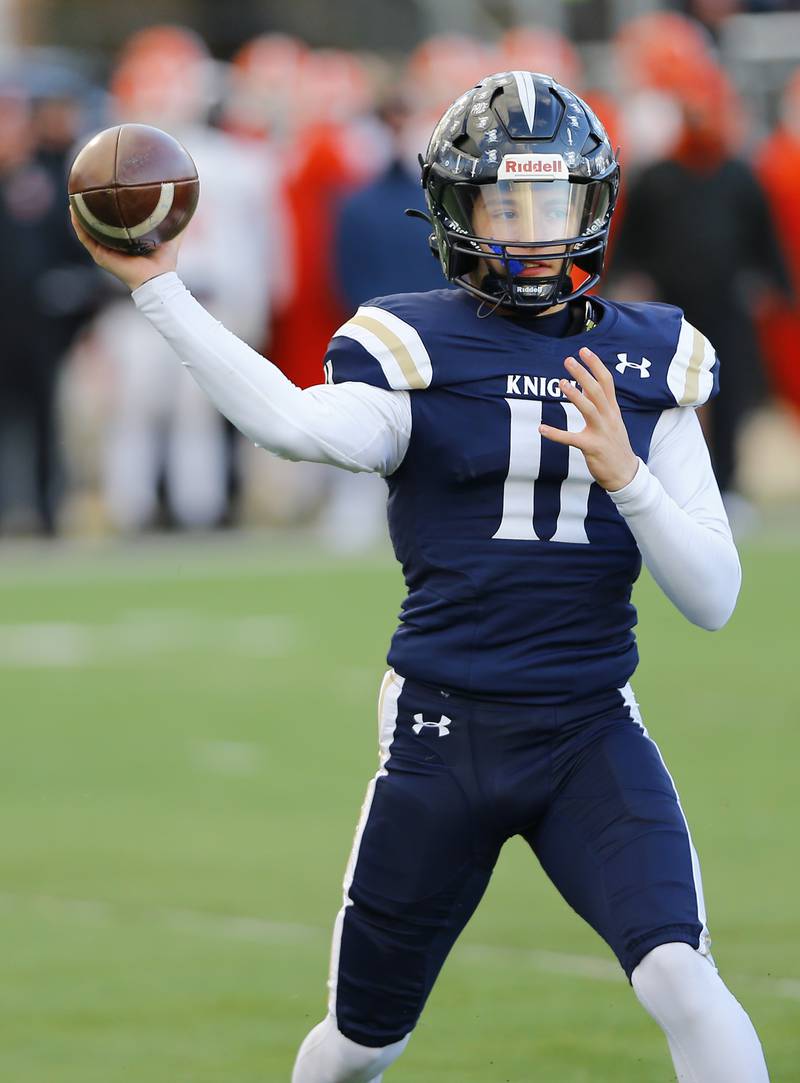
(525,212)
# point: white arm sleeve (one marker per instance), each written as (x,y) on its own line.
(352,425)
(675,512)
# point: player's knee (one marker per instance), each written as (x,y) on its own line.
(327,1056)
(673,983)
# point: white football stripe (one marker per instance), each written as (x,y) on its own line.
(160,212)
(526,88)
(689,376)
(636,717)
(95,222)
(706,377)
(153,220)
(390,691)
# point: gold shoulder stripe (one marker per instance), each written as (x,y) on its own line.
(691,389)
(395,346)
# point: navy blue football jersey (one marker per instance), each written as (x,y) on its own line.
(518,565)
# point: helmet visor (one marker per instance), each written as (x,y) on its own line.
(514,212)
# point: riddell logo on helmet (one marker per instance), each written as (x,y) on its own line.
(532,167)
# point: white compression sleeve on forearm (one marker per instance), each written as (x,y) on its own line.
(674,511)
(350,425)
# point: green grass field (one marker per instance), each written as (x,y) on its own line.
(187,734)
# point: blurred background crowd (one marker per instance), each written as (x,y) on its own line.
(306,125)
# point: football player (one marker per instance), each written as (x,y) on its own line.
(537,444)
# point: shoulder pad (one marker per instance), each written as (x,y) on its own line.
(675,363)
(381,345)
(693,373)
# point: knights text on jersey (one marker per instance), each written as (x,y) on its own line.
(519,568)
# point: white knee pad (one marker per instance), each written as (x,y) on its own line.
(327,1056)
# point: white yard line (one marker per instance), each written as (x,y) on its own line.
(227,757)
(256,930)
(177,558)
(139,634)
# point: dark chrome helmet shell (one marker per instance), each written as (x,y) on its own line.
(518,113)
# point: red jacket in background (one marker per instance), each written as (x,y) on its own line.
(331,161)
(778,166)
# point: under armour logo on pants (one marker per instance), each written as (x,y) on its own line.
(443,725)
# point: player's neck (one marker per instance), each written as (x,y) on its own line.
(558,321)
(533,314)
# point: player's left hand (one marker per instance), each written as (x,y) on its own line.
(604,442)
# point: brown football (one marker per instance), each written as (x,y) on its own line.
(133,187)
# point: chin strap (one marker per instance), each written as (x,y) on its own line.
(491,308)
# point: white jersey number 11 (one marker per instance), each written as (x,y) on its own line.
(523,473)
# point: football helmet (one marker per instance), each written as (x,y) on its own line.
(521,182)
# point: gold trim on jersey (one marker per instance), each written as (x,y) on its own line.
(691,390)
(395,346)
(690,375)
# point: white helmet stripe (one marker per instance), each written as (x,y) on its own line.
(526,88)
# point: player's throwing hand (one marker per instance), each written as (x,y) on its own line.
(132,270)
(604,441)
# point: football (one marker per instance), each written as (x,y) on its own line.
(133,187)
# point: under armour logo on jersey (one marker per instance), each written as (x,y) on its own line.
(443,725)
(643,366)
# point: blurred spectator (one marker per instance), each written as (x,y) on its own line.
(444,66)
(46,289)
(698,234)
(661,50)
(335,148)
(538,48)
(440,68)
(301,214)
(778,166)
(263,79)
(161,427)
(333,144)
(713,14)
(72,288)
(655,55)
(377,250)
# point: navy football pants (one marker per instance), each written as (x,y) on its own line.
(584,786)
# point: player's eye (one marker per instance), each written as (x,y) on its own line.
(505,214)
(505,211)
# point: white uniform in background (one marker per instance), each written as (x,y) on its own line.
(160,422)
